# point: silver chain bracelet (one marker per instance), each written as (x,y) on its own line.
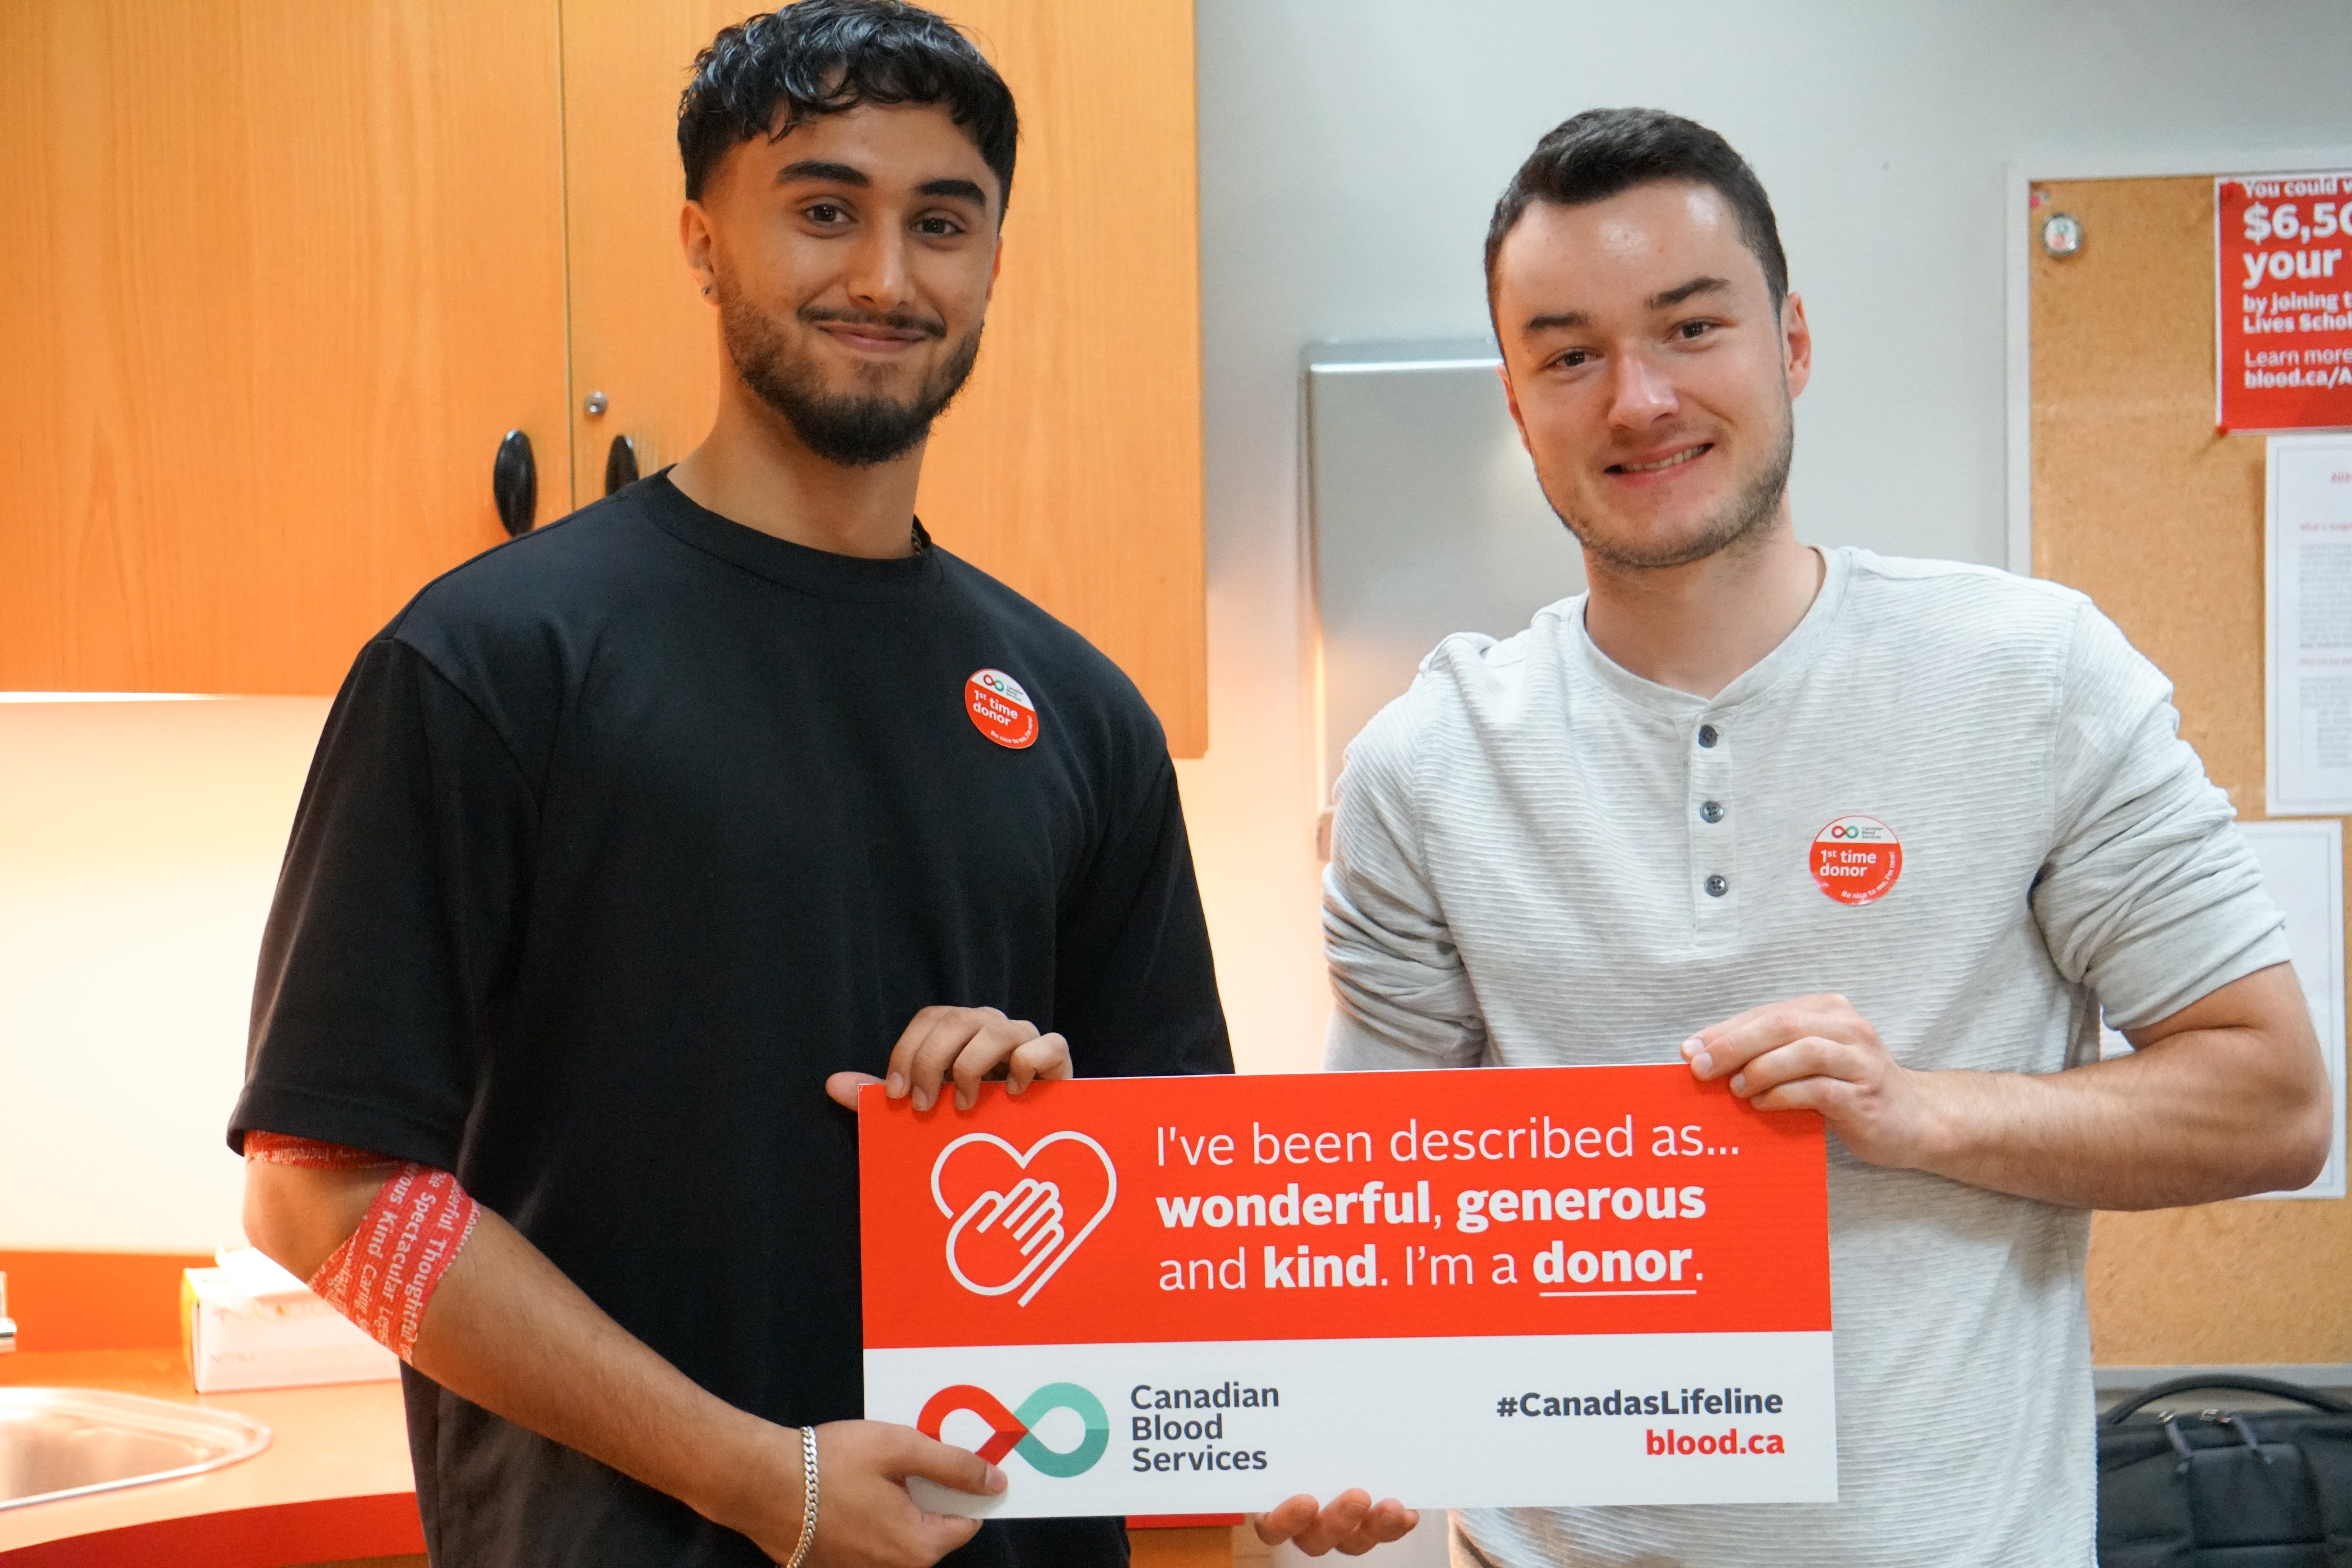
(808,1496)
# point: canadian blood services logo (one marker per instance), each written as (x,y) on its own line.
(1018,1215)
(1000,708)
(1014,1431)
(1856,859)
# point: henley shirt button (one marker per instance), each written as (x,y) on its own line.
(1711,812)
(1716,887)
(1706,735)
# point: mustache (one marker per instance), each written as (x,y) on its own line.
(896,321)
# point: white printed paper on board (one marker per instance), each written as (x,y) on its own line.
(2308,624)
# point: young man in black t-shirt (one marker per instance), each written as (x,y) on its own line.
(624,838)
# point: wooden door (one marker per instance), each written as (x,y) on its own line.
(279,276)
(641,334)
(1071,466)
(2138,501)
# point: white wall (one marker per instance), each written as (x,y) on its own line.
(138,844)
(1350,153)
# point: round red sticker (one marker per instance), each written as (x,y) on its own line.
(999,710)
(1856,859)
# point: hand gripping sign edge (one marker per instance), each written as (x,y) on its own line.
(1031,1206)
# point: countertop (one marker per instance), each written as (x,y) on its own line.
(333,1483)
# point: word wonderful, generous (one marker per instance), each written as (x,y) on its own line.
(1473,1208)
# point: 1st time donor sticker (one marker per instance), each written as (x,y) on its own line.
(1000,708)
(1856,859)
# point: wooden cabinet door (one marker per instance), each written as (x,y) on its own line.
(1070,468)
(641,334)
(278,277)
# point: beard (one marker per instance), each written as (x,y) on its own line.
(1738,522)
(855,430)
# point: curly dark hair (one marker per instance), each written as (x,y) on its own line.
(824,56)
(1603,152)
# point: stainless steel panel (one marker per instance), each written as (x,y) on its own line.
(64,1442)
(1424,520)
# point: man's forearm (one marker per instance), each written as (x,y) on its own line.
(2198,1115)
(2224,1097)
(511,1332)
(507,1330)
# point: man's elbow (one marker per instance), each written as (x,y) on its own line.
(296,1218)
(2294,1126)
(2308,1139)
(2291,1148)
(269,1223)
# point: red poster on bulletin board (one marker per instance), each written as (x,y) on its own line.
(2283,279)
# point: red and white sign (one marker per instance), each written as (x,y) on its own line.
(1511,1287)
(1000,708)
(2283,306)
(1856,859)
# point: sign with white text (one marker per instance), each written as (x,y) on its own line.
(1507,1286)
(2283,306)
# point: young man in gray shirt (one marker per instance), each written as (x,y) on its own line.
(1875,838)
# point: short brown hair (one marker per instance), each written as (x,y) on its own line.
(1603,152)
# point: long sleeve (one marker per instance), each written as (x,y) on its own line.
(1404,998)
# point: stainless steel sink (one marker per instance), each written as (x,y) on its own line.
(64,1442)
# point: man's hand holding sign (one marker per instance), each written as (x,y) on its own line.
(1179,1295)
(2231,1071)
(1020,1236)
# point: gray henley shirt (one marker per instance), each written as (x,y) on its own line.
(1539,858)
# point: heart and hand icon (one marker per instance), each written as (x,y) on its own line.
(1019,1215)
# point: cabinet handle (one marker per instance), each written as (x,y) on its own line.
(620,464)
(514,483)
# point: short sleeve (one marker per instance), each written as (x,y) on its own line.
(2149,895)
(1136,986)
(396,922)
(1403,999)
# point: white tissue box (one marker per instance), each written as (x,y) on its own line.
(250,1324)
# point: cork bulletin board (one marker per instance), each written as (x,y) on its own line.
(2138,501)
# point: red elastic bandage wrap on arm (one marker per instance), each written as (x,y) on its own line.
(385,1271)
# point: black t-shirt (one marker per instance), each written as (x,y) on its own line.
(619,840)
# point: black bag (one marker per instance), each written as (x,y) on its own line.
(2225,1489)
